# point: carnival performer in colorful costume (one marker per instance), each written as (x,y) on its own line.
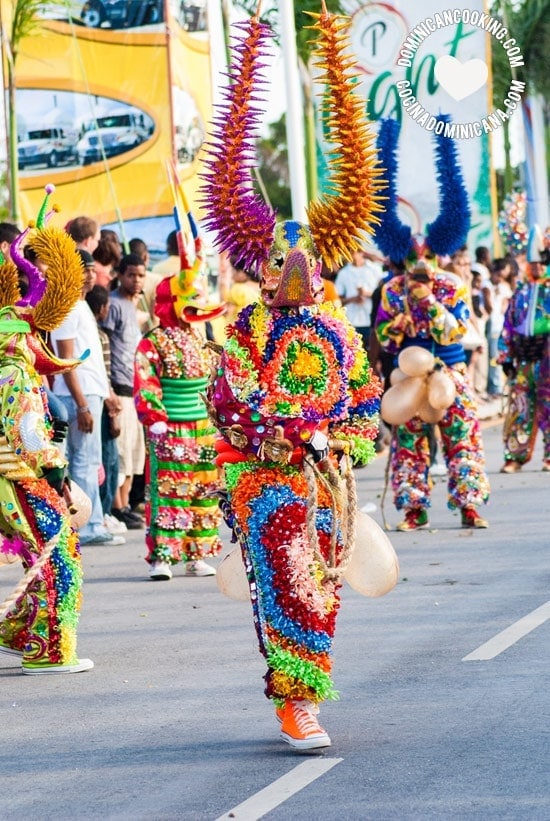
(428,308)
(173,366)
(41,625)
(293,379)
(525,356)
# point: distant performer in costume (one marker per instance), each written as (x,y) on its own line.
(173,366)
(34,493)
(428,308)
(525,356)
(293,379)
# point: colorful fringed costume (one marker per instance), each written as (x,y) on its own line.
(285,374)
(293,378)
(173,366)
(525,356)
(427,307)
(172,369)
(439,322)
(42,623)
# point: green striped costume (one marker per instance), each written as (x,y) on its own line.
(172,370)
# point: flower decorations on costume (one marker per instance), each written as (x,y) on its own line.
(295,371)
(512,222)
(172,369)
(524,352)
(293,376)
(42,622)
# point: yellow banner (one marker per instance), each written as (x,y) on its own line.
(103,101)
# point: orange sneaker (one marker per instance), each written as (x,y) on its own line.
(300,727)
(280,713)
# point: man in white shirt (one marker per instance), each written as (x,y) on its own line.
(83,392)
(355,284)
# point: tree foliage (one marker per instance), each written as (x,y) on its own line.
(529,23)
(301,19)
(25,22)
(273,168)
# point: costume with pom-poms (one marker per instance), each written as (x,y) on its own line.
(427,308)
(283,375)
(293,373)
(42,623)
(524,352)
(172,368)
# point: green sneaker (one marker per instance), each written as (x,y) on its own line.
(80,666)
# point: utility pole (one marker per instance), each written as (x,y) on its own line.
(294,113)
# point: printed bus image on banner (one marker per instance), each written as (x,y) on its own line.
(107,92)
(107,13)
(61,128)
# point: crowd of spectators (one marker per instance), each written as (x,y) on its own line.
(105,441)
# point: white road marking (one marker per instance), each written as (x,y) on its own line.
(502,641)
(280,790)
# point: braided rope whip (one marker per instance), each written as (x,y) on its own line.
(339,494)
(9,603)
(386,482)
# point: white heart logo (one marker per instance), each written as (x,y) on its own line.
(460,79)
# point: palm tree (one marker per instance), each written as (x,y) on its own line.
(528,21)
(24,22)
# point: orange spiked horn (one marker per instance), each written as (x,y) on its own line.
(338,222)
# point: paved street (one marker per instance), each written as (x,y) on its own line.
(172,722)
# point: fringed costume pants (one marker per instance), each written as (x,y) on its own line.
(43,622)
(462,448)
(294,609)
(528,411)
(181,512)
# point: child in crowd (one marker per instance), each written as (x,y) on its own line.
(98,300)
(121,325)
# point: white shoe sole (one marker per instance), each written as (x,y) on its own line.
(80,667)
(114,530)
(201,573)
(306,743)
